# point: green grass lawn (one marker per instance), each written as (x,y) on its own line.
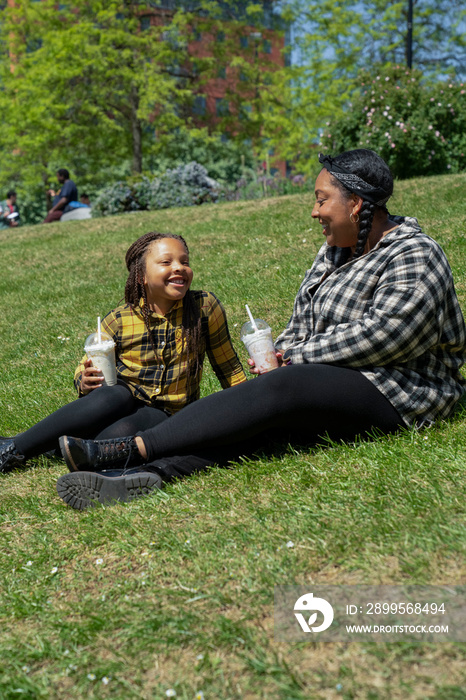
(175,591)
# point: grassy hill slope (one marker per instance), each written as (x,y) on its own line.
(175,591)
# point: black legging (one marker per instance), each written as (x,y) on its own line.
(299,403)
(107,412)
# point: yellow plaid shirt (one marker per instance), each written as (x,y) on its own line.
(160,379)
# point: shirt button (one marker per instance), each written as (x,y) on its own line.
(157,391)
(162,343)
(162,367)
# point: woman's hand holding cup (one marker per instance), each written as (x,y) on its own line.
(254,370)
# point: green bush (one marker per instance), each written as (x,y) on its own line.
(417,126)
(183,186)
(224,160)
(32,204)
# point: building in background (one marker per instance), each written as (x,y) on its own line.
(243,53)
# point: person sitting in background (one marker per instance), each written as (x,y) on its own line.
(61,199)
(375,343)
(9,215)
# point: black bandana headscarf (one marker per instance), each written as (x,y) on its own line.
(354,183)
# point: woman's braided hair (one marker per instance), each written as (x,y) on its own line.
(371,168)
(135,291)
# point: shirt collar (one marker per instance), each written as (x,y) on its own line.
(407,226)
(174,308)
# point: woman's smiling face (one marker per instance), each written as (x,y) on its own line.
(333,210)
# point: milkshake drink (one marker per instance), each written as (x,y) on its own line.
(257,338)
(100,348)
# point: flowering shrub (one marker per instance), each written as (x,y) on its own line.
(181,187)
(418,127)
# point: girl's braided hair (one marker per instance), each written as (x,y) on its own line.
(371,168)
(135,291)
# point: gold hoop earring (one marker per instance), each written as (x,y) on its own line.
(354,218)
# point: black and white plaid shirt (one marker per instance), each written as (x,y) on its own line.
(392,314)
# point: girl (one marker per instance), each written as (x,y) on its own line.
(162,334)
(375,342)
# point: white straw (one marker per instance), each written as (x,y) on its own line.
(99,332)
(251,318)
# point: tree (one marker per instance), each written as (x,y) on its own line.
(97,85)
(332,41)
(85,86)
(355,35)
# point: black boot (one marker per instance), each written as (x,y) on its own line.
(9,455)
(82,489)
(96,455)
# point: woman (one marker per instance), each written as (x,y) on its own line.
(375,343)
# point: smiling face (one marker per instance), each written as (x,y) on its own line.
(333,209)
(167,275)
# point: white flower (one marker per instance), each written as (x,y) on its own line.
(199,657)
(91,676)
(29,563)
(25,669)
(54,570)
(200,695)
(99,561)
(170,693)
(290,544)
(106,680)
(304,240)
(102,597)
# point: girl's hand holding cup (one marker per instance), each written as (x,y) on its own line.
(92,378)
